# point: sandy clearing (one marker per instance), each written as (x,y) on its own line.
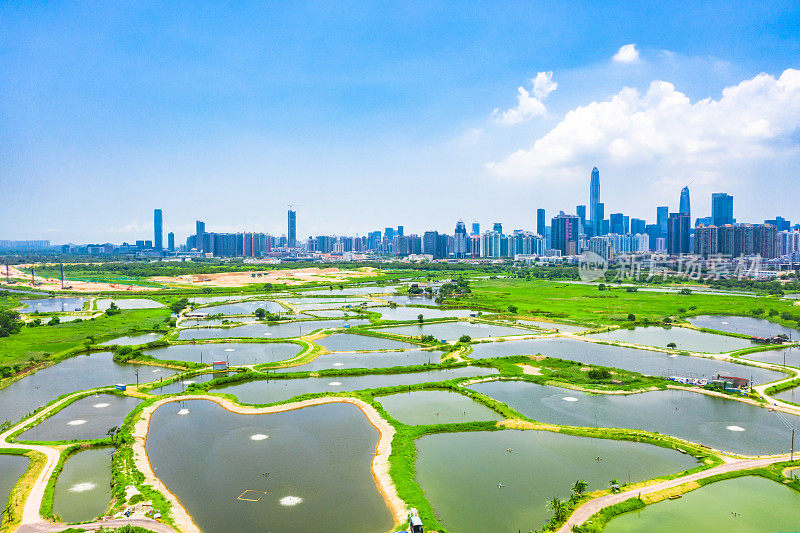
(530,370)
(280,277)
(380,463)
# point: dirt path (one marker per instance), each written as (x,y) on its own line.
(588,509)
(380,463)
(50,527)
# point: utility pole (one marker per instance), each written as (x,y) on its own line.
(137,377)
(792,456)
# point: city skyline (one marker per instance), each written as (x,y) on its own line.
(389,121)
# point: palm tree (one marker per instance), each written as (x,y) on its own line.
(558,508)
(580,487)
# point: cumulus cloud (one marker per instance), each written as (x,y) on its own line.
(626,54)
(528,105)
(662,128)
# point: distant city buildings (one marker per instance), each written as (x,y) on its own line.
(158,229)
(292,229)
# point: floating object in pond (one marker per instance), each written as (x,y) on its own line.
(251,495)
(82,487)
(189,382)
(337,364)
(100,405)
(183,412)
(674,496)
(334,383)
(156,370)
(569,399)
(289,501)
(230,350)
(259,436)
(735,428)
(500,485)
(674,355)
(76,422)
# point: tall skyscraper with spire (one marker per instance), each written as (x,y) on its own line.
(686,208)
(292,233)
(594,199)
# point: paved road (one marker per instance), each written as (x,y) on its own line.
(588,509)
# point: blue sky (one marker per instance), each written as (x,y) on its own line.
(368,115)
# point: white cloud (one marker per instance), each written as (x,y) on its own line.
(528,106)
(626,54)
(663,130)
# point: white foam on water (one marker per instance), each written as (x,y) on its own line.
(289,501)
(338,364)
(259,436)
(569,399)
(76,422)
(266,334)
(183,412)
(101,405)
(189,382)
(335,383)
(156,370)
(726,323)
(674,355)
(152,334)
(82,487)
(734,428)
(230,350)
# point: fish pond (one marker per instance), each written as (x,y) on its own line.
(347,342)
(11,469)
(746,325)
(791,356)
(502,480)
(454,330)
(634,359)
(684,339)
(742,505)
(128,303)
(306,470)
(244,308)
(435,407)
(87,418)
(282,330)
(563,328)
(276,390)
(83,489)
(724,424)
(132,340)
(412,313)
(236,353)
(52,305)
(366,360)
(71,375)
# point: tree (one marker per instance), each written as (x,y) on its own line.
(113,309)
(631,317)
(558,508)
(464,338)
(53,321)
(601,287)
(260,313)
(9,323)
(580,487)
(178,306)
(512,309)
(672,345)
(420,318)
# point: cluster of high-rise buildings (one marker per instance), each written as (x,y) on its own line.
(567,235)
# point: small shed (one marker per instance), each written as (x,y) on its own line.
(219,365)
(121,386)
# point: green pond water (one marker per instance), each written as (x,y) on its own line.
(87,418)
(742,505)
(83,490)
(276,390)
(237,353)
(746,325)
(685,339)
(777,357)
(435,407)
(133,339)
(367,360)
(71,375)
(11,469)
(453,330)
(244,308)
(128,303)
(637,360)
(411,313)
(460,473)
(789,395)
(717,422)
(318,460)
(345,342)
(283,330)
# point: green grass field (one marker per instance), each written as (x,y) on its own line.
(42,340)
(587,304)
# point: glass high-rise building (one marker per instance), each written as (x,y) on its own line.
(662,214)
(291,241)
(685,207)
(476,228)
(594,200)
(540,222)
(498,227)
(580,210)
(171,241)
(721,209)
(158,229)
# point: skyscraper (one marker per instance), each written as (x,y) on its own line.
(292,239)
(158,228)
(721,209)
(565,234)
(476,228)
(540,223)
(400,231)
(498,227)
(200,232)
(460,240)
(678,226)
(171,241)
(581,212)
(662,214)
(594,199)
(685,207)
